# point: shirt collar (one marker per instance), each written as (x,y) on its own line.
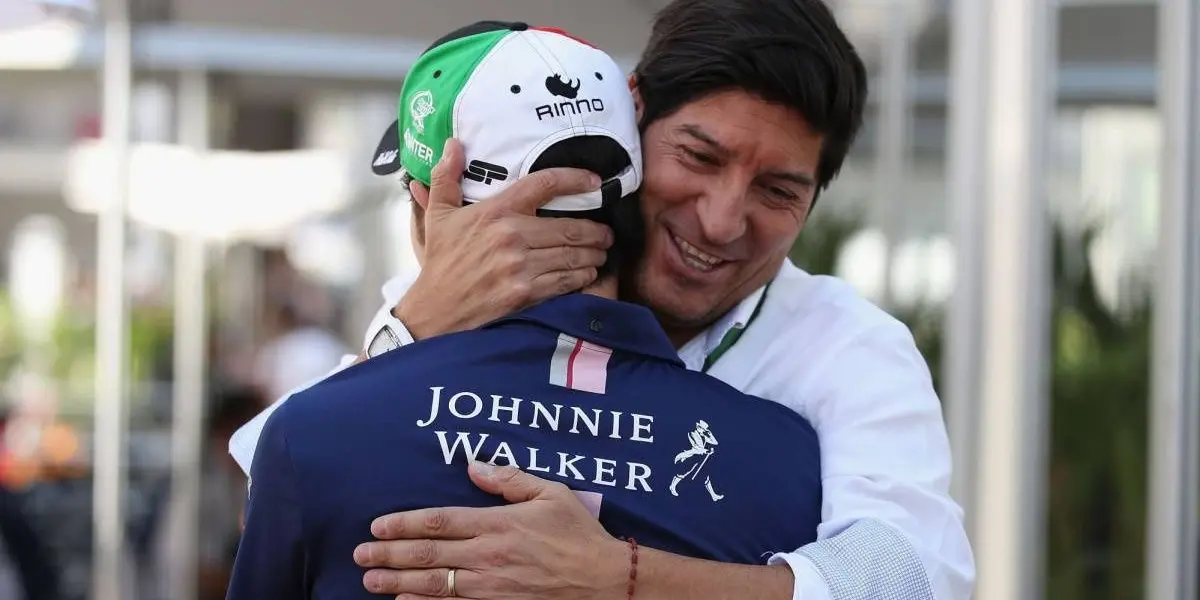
(609,323)
(696,352)
(738,318)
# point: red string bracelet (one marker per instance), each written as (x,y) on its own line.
(633,558)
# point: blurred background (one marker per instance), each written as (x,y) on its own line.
(256,243)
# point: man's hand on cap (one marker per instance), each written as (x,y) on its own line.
(496,257)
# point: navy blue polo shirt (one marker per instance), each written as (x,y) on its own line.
(579,389)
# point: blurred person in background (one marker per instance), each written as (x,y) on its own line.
(26,552)
(223,492)
(747,109)
(301,347)
(301,353)
(316,479)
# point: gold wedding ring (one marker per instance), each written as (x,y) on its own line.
(450,587)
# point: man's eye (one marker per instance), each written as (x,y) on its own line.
(782,193)
(701,157)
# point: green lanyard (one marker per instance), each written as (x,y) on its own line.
(732,336)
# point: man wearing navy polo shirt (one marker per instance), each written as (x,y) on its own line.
(612,426)
(581,389)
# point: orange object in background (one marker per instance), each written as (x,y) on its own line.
(56,456)
(60,453)
(18,474)
(60,444)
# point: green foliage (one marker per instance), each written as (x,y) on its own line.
(10,338)
(72,351)
(1099,393)
(1098,447)
(818,247)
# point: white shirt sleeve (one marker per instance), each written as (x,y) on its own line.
(889,528)
(809,583)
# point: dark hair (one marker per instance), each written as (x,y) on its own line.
(789,52)
(605,157)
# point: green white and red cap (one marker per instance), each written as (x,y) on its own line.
(509,92)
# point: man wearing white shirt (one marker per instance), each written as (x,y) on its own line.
(748,108)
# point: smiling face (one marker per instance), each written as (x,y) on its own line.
(729,180)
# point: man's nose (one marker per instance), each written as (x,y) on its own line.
(722,214)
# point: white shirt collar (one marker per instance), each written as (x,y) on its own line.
(738,318)
(697,350)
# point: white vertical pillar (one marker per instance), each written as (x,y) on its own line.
(187,425)
(111,420)
(1172,536)
(1011,495)
(966,163)
(895,118)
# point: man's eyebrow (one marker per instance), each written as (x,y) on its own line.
(695,131)
(802,179)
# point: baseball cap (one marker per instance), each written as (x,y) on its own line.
(519,99)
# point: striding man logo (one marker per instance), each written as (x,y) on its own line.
(703,444)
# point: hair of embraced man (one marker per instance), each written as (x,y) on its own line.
(604,157)
(624,217)
(789,52)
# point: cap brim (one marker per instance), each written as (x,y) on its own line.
(386,160)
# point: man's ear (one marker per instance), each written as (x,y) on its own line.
(637,97)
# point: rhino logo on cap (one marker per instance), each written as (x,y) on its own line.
(563,88)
